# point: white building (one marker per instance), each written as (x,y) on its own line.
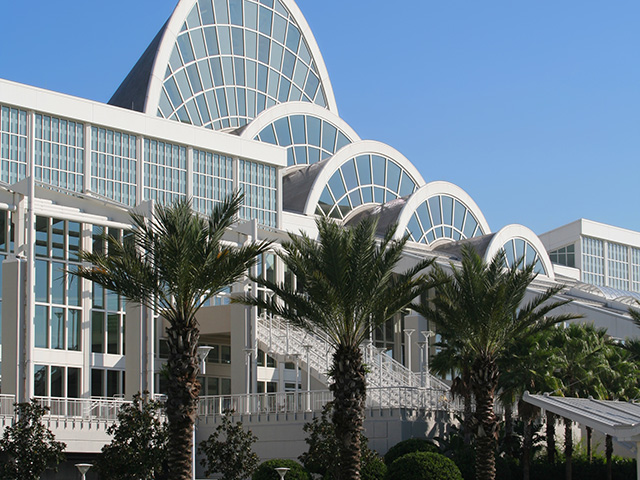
(231,94)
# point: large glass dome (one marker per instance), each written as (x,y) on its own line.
(232,59)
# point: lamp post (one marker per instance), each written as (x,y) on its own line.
(248,352)
(427,335)
(307,349)
(422,344)
(282,471)
(202,353)
(408,332)
(83,468)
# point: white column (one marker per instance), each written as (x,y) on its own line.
(408,332)
(30,308)
(427,335)
(307,349)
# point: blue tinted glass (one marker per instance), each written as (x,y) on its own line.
(224,39)
(282,130)
(378,195)
(458,215)
(40,326)
(198,43)
(250,15)
(406,186)
(237,41)
(393,176)
(239,68)
(379,164)
(336,185)
(434,207)
(185,48)
(342,141)
(414,228)
(194,77)
(311,85)
(328,137)
(349,173)
(510,253)
(288,64)
(367,195)
(297,127)
(470,226)
(279,28)
(235,9)
(531,254)
(314,155)
(206,11)
(423,214)
(313,130)
(222,14)
(355,199)
(211,39)
(364,169)
(447,210)
(265,20)
(519,249)
(325,202)
(301,155)
(263,49)
(293,38)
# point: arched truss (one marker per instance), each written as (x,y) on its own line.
(518,241)
(310,133)
(222,62)
(362,173)
(441,211)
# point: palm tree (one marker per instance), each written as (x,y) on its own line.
(172,264)
(481,307)
(527,365)
(579,361)
(346,286)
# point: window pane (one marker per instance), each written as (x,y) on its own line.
(113,383)
(113,331)
(57,375)
(97,382)
(57,328)
(73,382)
(40,326)
(40,380)
(97,332)
(73,329)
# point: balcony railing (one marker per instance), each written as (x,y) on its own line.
(98,409)
(302,401)
(6,405)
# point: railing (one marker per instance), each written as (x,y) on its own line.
(281,338)
(100,409)
(6,405)
(263,403)
(302,401)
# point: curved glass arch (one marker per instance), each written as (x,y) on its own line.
(308,138)
(442,216)
(519,248)
(235,58)
(365,179)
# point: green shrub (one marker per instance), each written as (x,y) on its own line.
(373,468)
(267,470)
(409,446)
(423,466)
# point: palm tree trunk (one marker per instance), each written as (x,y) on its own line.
(349,393)
(609,453)
(509,439)
(526,448)
(467,425)
(551,438)
(182,399)
(484,381)
(589,435)
(568,448)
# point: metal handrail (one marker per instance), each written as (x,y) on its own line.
(99,409)
(7,402)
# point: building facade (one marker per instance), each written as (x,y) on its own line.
(230,95)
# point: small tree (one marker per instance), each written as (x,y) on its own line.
(28,448)
(323,454)
(229,451)
(139,446)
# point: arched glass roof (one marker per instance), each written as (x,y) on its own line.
(308,138)
(443,216)
(519,248)
(364,179)
(235,58)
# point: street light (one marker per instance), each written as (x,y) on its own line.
(202,353)
(422,349)
(83,468)
(282,471)
(427,335)
(408,332)
(307,349)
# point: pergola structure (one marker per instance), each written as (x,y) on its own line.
(618,419)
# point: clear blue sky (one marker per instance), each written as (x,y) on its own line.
(532,107)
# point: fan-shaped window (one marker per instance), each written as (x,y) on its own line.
(519,250)
(232,60)
(362,180)
(308,139)
(442,216)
